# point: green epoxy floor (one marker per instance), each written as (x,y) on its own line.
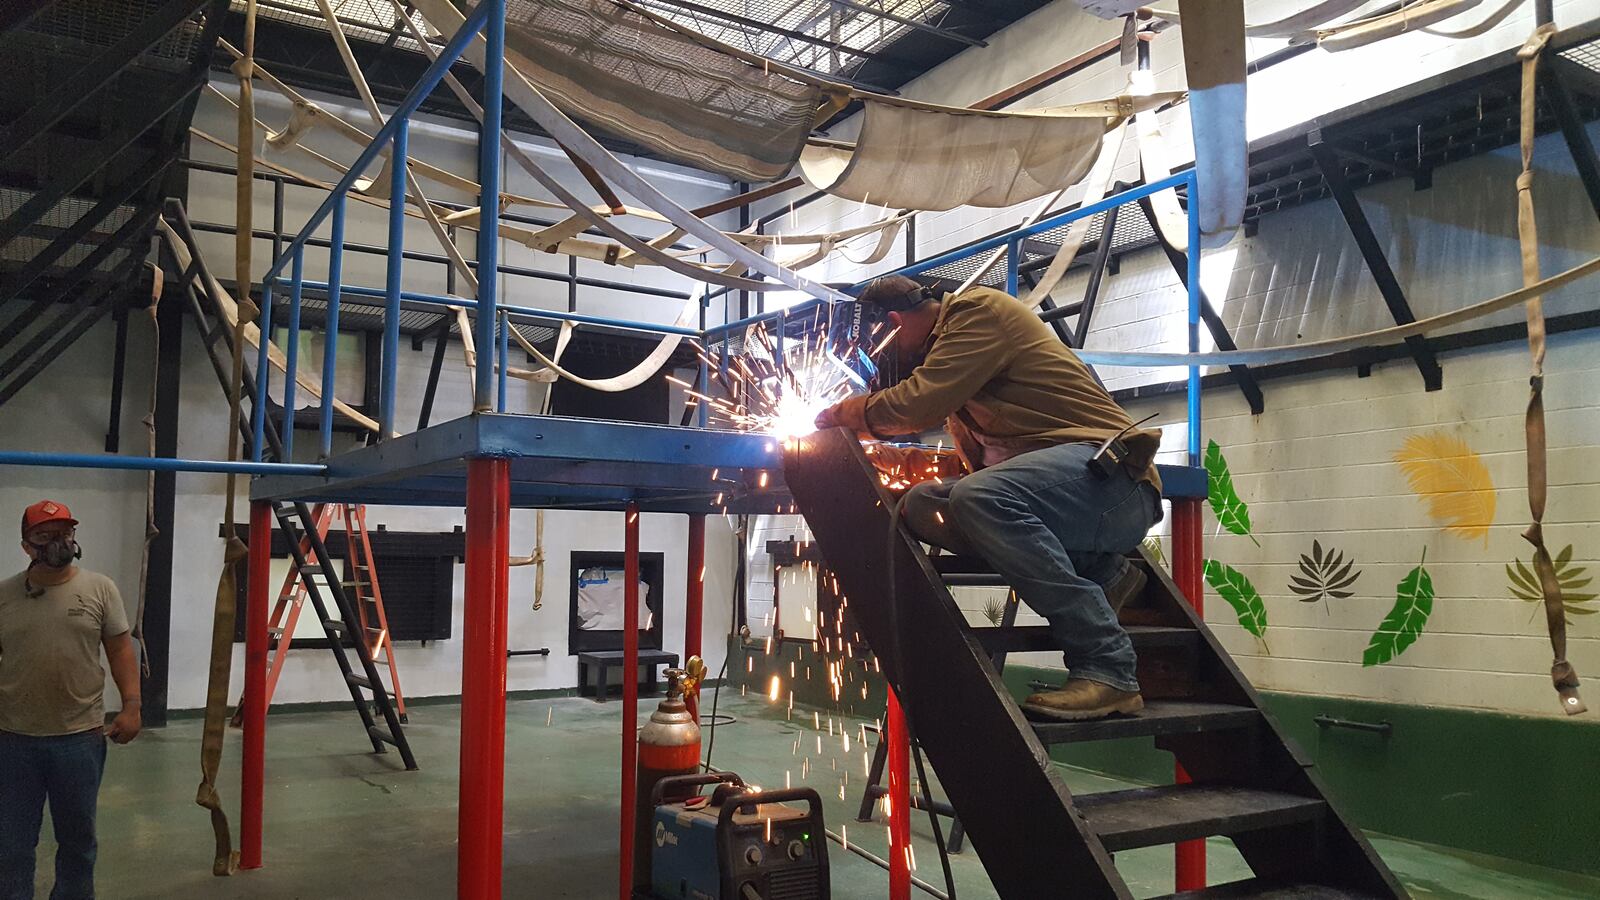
(342,823)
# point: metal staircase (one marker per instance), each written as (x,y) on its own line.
(96,108)
(1036,838)
(303,526)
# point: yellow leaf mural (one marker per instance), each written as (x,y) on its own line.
(1452,480)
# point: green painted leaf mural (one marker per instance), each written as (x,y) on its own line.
(1400,629)
(1231,511)
(1525,584)
(1324,575)
(1246,601)
(1152,546)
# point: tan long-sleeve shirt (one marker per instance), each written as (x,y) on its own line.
(1004,384)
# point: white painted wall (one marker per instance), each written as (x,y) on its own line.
(65,411)
(1319,463)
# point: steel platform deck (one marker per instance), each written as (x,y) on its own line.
(569,463)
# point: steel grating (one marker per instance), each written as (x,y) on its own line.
(101,24)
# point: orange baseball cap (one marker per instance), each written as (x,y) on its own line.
(45,511)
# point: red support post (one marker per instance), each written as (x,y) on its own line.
(481,813)
(1188,564)
(252,776)
(630,697)
(899,739)
(694,598)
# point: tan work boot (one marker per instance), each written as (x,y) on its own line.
(1125,585)
(1080,699)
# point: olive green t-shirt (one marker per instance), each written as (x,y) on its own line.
(51,682)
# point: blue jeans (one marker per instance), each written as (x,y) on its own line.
(65,771)
(1056,532)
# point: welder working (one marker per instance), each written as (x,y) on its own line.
(1061,483)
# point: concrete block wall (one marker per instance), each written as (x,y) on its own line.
(1319,464)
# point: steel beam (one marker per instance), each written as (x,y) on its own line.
(694,598)
(1572,126)
(86,81)
(119,369)
(1372,252)
(1208,314)
(630,701)
(441,344)
(1097,271)
(156,631)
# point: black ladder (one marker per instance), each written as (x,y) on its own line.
(1036,838)
(295,518)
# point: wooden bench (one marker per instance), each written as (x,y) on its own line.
(613,659)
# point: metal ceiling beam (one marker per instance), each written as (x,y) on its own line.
(1377,262)
(89,79)
(923,27)
(771,28)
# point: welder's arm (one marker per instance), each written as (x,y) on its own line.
(972,350)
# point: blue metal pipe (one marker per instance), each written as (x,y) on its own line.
(330,343)
(1013,267)
(258,412)
(157,464)
(761,317)
(292,353)
(1043,225)
(524,311)
(1194,317)
(430,79)
(394,274)
(503,352)
(494,59)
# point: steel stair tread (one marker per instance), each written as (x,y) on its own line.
(1158,717)
(1259,889)
(1147,817)
(1025,638)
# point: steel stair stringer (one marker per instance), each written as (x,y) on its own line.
(1036,839)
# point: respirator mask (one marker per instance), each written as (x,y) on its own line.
(56,553)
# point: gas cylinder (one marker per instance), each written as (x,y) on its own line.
(669,744)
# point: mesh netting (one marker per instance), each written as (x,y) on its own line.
(641,81)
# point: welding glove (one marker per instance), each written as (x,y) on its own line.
(850,413)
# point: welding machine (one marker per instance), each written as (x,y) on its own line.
(737,843)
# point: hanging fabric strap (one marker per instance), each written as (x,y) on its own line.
(149,422)
(226,861)
(1564,676)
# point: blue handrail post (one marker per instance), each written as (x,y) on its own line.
(1194,318)
(503,354)
(258,413)
(1013,269)
(292,351)
(393,281)
(494,57)
(330,344)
